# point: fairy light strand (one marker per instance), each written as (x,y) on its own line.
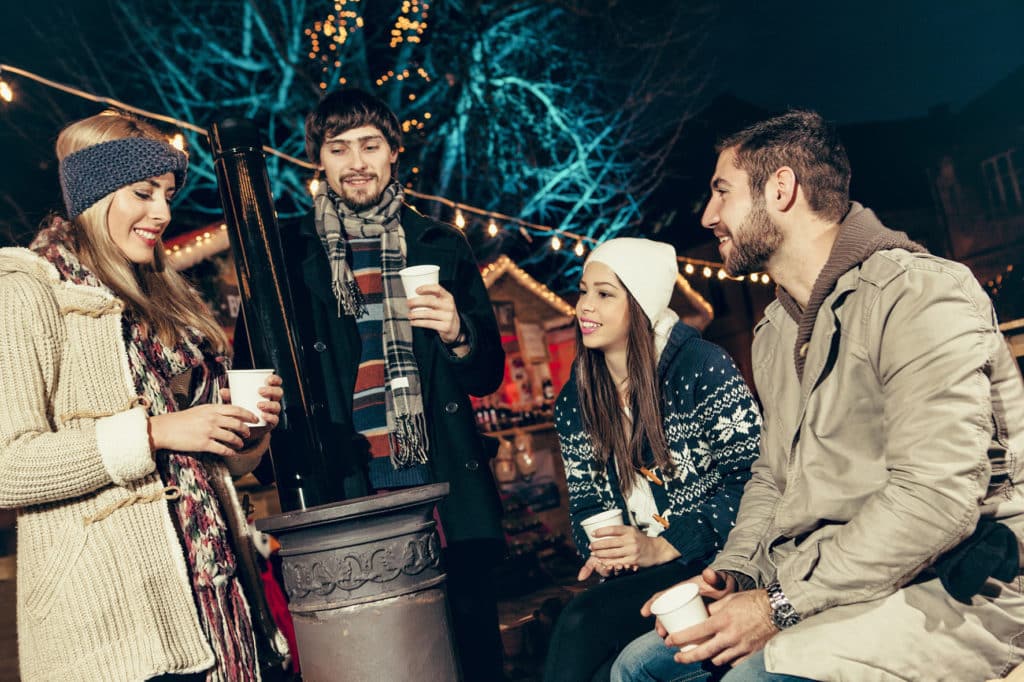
(558,236)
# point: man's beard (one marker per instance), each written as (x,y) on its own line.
(360,200)
(753,242)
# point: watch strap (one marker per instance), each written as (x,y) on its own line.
(783,613)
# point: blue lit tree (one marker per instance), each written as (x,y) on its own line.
(545,110)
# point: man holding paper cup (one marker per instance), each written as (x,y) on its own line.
(879,537)
(401,330)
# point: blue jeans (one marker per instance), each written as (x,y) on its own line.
(752,670)
(647,659)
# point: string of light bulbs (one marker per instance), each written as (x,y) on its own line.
(556,241)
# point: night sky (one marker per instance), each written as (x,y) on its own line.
(854,61)
(864,61)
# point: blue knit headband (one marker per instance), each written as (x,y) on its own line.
(92,173)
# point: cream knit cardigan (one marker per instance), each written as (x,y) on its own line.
(103,589)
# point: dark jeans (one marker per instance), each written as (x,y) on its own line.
(474,609)
(597,624)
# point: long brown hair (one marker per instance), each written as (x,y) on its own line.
(157,293)
(600,407)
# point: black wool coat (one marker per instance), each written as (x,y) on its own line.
(331,348)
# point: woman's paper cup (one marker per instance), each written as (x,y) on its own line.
(612,517)
(680,607)
(245,385)
(416,276)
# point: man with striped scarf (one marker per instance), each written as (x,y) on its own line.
(398,365)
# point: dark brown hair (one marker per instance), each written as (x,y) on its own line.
(805,142)
(601,410)
(344,110)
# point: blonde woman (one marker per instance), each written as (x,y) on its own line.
(117,444)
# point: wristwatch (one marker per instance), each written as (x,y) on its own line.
(783,613)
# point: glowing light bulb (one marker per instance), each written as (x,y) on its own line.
(579,249)
(754,277)
(460,220)
(178,142)
(764,278)
(721,273)
(689,268)
(492,228)
(556,243)
(707,271)
(314,185)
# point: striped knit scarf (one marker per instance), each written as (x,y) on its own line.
(223,611)
(335,223)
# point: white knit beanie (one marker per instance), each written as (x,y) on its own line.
(648,269)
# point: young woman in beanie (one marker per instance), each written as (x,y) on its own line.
(656,422)
(117,443)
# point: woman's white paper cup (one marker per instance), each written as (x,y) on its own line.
(680,607)
(244,385)
(416,276)
(611,517)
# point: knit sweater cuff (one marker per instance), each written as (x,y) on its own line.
(123,443)
(692,537)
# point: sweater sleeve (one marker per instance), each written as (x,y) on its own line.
(589,490)
(41,461)
(729,428)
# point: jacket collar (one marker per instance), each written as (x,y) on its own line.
(416,226)
(419,230)
(681,334)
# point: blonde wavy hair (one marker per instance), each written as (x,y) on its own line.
(156,292)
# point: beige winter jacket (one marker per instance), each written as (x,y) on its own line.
(103,591)
(908,424)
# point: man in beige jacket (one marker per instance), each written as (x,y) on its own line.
(879,537)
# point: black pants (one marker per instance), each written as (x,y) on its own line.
(597,624)
(474,609)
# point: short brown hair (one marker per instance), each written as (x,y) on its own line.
(344,110)
(805,142)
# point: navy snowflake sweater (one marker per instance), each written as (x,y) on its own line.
(712,426)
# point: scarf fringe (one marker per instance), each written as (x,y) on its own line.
(409,441)
(236,661)
(350,297)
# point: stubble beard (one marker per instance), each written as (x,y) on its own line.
(759,238)
(361,199)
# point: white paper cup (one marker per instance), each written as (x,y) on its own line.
(416,276)
(680,607)
(612,517)
(244,385)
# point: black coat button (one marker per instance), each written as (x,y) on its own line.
(319,346)
(451,408)
(472,465)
